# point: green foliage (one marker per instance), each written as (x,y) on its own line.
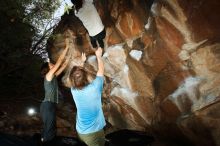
(22,20)
(67,8)
(39,11)
(14,32)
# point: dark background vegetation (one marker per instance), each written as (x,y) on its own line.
(25,26)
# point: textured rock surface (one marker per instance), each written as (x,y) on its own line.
(162,66)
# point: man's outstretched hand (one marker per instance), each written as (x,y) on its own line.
(98,52)
(67,42)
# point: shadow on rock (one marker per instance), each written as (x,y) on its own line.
(128,138)
(11,140)
(118,138)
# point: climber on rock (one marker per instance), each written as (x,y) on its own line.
(90,119)
(87,13)
(48,106)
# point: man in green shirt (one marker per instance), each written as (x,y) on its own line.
(48,107)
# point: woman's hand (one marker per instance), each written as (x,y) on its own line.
(83,57)
(98,54)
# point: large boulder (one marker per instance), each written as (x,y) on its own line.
(161,61)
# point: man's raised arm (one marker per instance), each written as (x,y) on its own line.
(51,73)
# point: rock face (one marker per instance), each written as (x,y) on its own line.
(162,63)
